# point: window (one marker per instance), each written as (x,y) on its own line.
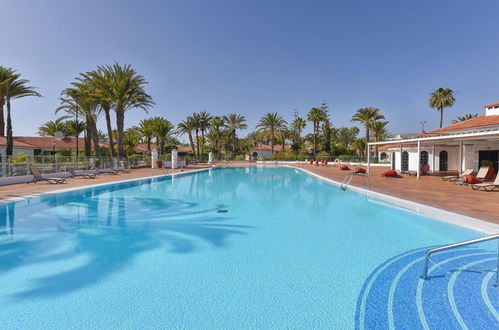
(423,158)
(405,161)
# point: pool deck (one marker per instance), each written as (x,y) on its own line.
(429,190)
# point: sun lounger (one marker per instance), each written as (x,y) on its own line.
(482,172)
(453,178)
(105,171)
(37,177)
(86,175)
(121,169)
(487,186)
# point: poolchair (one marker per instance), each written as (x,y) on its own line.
(105,171)
(453,178)
(425,169)
(86,175)
(487,186)
(482,172)
(37,177)
(121,169)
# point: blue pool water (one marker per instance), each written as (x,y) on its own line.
(235,248)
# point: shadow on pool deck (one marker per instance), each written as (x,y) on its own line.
(111,243)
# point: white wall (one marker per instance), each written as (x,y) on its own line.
(452,162)
(265,154)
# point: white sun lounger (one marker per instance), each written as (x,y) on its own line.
(487,186)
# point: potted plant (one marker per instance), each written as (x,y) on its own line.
(490,172)
(159,163)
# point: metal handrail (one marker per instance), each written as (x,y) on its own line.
(349,177)
(429,252)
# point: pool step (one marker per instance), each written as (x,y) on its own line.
(459,293)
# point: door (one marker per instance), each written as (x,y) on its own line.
(492,155)
(423,158)
(443,161)
(405,161)
(393,161)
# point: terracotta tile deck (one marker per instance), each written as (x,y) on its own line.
(429,190)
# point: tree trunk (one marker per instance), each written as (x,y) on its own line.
(271,142)
(2,120)
(148,142)
(120,124)
(441,116)
(367,141)
(315,138)
(94,136)
(110,133)
(234,144)
(10,141)
(192,143)
(202,143)
(87,141)
(197,144)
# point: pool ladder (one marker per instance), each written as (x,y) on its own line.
(424,276)
(349,177)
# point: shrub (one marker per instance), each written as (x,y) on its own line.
(322,155)
(22,158)
(486,162)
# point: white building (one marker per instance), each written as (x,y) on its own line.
(452,148)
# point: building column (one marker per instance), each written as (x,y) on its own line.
(460,167)
(433,159)
(368,159)
(401,158)
(418,162)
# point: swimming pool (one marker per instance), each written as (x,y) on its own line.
(250,247)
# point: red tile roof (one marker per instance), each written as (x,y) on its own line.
(3,142)
(482,121)
(491,105)
(424,134)
(39,142)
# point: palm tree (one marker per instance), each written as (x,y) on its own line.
(131,139)
(101,85)
(125,92)
(380,133)
(366,116)
(145,129)
(345,136)
(440,99)
(298,125)
(272,125)
(465,117)
(216,131)
(234,122)
(316,116)
(162,129)
(74,128)
(79,99)
(12,87)
(51,127)
(204,124)
(195,121)
(186,127)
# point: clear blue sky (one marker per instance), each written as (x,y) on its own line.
(260,56)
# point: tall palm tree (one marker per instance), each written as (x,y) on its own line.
(102,92)
(316,116)
(380,133)
(204,124)
(297,126)
(465,117)
(195,121)
(12,87)
(216,130)
(234,122)
(145,129)
(79,99)
(272,125)
(162,129)
(126,91)
(441,98)
(74,128)
(186,127)
(345,136)
(366,116)
(51,127)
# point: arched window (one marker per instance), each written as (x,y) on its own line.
(383,156)
(423,158)
(443,160)
(405,161)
